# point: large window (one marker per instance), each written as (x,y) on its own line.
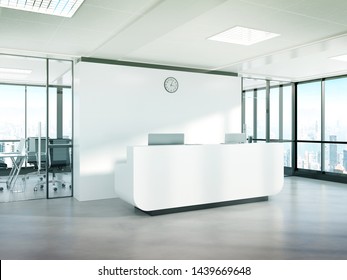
(309,111)
(261,114)
(309,125)
(335,125)
(249,112)
(287,117)
(67,116)
(319,145)
(12,112)
(335,109)
(274,112)
(12,118)
(287,112)
(273,123)
(36,111)
(322,127)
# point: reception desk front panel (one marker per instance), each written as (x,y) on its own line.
(164,177)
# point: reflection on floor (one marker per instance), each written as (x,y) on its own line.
(33,186)
(307,220)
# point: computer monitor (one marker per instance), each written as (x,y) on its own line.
(235,138)
(165,138)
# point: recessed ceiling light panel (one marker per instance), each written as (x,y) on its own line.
(243,36)
(64,8)
(340,57)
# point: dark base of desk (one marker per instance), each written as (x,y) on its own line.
(204,206)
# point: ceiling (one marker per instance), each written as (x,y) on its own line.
(175,32)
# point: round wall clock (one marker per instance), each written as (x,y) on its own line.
(171,84)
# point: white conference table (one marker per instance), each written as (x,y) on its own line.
(17,160)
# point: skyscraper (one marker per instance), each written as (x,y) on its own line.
(333,153)
(345,159)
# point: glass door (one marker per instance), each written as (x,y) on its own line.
(59,129)
(268,115)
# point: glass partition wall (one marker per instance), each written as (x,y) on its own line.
(36,109)
(268,114)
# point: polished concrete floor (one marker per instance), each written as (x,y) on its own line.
(307,220)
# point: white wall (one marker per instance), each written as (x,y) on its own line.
(117,106)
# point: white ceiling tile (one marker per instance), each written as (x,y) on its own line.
(154,24)
(29,16)
(187,43)
(85,39)
(301,29)
(67,49)
(311,61)
(174,32)
(22,43)
(207,55)
(129,6)
(30,30)
(331,11)
(234,12)
(275,4)
(96,18)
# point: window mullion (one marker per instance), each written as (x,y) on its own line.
(267,135)
(322,125)
(280,111)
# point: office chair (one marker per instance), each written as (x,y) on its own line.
(58,160)
(34,159)
(33,150)
(3,165)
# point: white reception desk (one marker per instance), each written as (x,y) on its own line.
(156,178)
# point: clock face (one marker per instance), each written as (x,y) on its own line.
(171,84)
